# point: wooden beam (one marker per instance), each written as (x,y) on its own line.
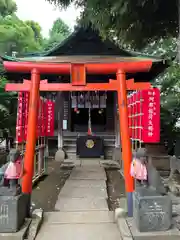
(62,87)
(91,68)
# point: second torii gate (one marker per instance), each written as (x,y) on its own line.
(78,83)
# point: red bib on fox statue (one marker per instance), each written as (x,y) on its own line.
(15,167)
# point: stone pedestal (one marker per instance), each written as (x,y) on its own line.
(152,212)
(13,211)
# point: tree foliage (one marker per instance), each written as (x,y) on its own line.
(36,30)
(7,7)
(7,108)
(21,37)
(134,22)
(17,36)
(57,33)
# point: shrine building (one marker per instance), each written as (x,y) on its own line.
(74,111)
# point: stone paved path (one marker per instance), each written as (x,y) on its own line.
(81,209)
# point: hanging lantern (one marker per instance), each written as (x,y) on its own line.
(100,111)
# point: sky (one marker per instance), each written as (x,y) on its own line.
(45,14)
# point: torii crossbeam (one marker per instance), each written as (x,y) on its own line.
(78,73)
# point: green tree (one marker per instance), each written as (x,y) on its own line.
(7,7)
(7,108)
(133,22)
(37,31)
(57,33)
(17,36)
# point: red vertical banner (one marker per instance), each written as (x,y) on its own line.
(137,115)
(40,115)
(131,101)
(50,108)
(19,123)
(44,118)
(133,116)
(151,115)
(26,109)
(38,129)
(129,113)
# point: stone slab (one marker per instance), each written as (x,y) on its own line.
(109,164)
(81,204)
(84,175)
(37,219)
(99,231)
(20,235)
(163,235)
(83,192)
(89,169)
(85,183)
(87,162)
(124,229)
(79,217)
(72,162)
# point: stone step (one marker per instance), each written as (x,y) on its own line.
(89,167)
(82,192)
(79,217)
(90,162)
(85,183)
(81,204)
(101,231)
(87,175)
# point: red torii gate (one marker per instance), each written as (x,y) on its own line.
(78,83)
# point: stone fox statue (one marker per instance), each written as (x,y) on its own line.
(147,173)
(138,166)
(11,171)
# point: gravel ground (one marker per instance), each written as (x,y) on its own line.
(115,188)
(45,193)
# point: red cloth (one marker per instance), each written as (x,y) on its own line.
(14,170)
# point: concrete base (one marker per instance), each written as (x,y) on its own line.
(173,233)
(20,235)
(129,231)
